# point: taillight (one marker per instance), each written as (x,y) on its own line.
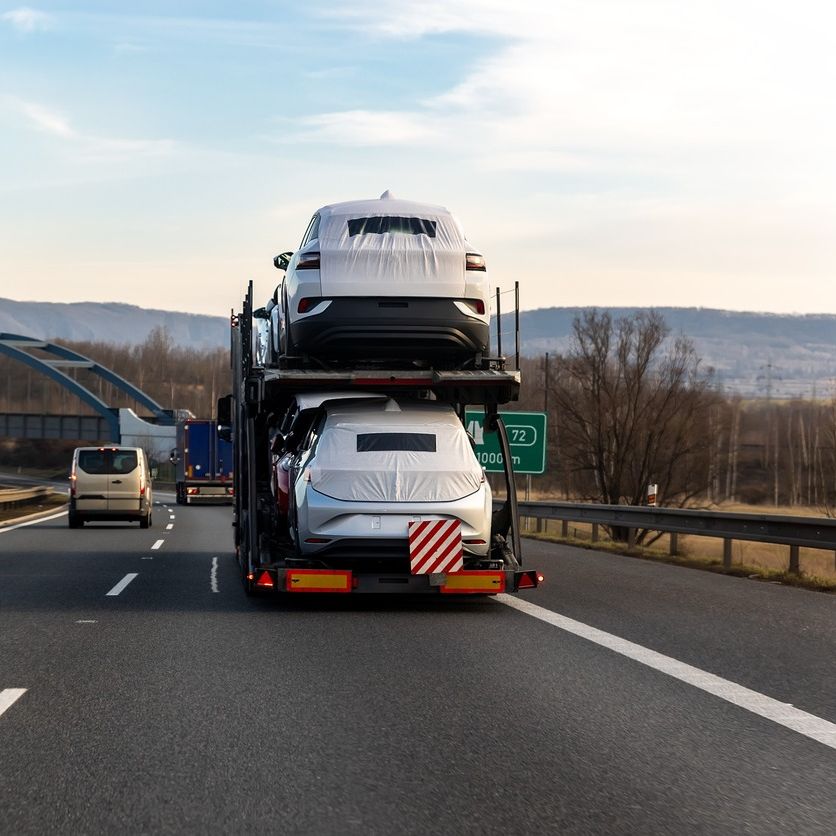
(310,261)
(476,305)
(192,491)
(308,303)
(142,490)
(230,491)
(472,261)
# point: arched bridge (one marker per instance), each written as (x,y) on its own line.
(104,426)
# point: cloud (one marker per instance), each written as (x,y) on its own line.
(28,20)
(365,127)
(89,147)
(734,90)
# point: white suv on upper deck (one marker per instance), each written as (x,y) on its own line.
(383,279)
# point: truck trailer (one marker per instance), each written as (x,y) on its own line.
(203,464)
(270,557)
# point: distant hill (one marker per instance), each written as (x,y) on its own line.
(750,352)
(109,322)
(792,354)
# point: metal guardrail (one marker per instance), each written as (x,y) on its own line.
(15,497)
(795,532)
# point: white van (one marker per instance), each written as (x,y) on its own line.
(110,483)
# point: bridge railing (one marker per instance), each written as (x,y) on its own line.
(794,532)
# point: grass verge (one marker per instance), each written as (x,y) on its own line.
(705,564)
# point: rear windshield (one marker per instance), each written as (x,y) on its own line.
(386,223)
(413,442)
(107,461)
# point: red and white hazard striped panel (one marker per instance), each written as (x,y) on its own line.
(435,546)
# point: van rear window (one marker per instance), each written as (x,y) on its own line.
(388,223)
(381,442)
(107,461)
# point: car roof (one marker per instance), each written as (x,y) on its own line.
(383,206)
(393,413)
(313,400)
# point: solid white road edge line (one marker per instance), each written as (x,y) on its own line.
(157,544)
(32,522)
(213,575)
(9,696)
(779,712)
(123,583)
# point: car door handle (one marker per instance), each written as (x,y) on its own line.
(116,482)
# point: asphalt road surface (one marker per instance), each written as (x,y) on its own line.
(142,691)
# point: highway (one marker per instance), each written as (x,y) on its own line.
(627,697)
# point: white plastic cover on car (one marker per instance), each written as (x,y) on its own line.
(390,263)
(351,462)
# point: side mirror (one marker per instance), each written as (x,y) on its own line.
(277,444)
(225,410)
(281,261)
(174,455)
(225,432)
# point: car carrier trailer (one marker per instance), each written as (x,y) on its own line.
(259,393)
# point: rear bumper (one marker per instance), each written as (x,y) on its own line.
(382,529)
(491,582)
(391,328)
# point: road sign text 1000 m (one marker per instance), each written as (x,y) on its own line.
(526,438)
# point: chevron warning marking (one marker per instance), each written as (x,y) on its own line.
(435,546)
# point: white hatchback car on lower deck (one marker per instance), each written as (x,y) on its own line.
(366,469)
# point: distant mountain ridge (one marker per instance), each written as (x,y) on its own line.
(110,322)
(755,354)
(786,355)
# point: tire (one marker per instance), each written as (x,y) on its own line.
(74,521)
(145,522)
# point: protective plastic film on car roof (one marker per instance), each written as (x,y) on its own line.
(391,257)
(342,471)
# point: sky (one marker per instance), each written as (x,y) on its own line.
(601,152)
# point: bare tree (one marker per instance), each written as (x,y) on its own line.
(632,409)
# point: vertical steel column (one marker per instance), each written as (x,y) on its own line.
(517,321)
(511,486)
(498,325)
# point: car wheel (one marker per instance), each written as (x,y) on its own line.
(145,521)
(74,520)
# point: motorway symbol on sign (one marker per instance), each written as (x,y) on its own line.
(526,437)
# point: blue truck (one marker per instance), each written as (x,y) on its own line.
(203,464)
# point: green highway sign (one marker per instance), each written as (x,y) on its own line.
(526,437)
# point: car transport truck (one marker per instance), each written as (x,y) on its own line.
(363,480)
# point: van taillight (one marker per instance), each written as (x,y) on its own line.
(142,490)
(474,261)
(308,261)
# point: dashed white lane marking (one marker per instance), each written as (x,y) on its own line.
(4,529)
(87,621)
(213,575)
(779,712)
(171,516)
(169,527)
(123,583)
(146,558)
(157,544)
(9,696)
